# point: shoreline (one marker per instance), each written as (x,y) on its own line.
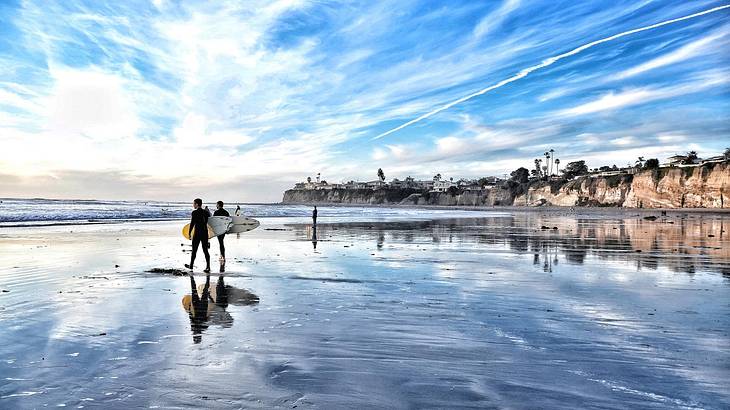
(514,209)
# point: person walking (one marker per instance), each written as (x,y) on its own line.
(314,216)
(219,211)
(198,232)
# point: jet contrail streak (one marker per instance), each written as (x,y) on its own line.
(545,63)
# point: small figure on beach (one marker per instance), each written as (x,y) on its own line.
(238,210)
(219,211)
(314,216)
(199,233)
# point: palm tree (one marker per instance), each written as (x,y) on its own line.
(381,174)
(557,166)
(537,167)
(309,180)
(552,158)
(437,177)
(640,162)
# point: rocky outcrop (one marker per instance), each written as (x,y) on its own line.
(696,187)
(705,186)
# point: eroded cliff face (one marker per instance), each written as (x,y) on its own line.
(583,191)
(697,187)
(700,187)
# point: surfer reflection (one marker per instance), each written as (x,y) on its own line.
(314,237)
(207,305)
(197,307)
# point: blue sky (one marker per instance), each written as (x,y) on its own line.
(239,100)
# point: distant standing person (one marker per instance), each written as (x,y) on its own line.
(199,222)
(219,211)
(314,216)
(238,210)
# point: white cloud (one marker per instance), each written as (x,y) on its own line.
(635,96)
(624,141)
(492,21)
(90,102)
(667,138)
(685,52)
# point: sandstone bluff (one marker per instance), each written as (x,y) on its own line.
(705,186)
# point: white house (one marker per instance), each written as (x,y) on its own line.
(377,184)
(442,186)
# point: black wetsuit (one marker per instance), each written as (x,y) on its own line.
(314,217)
(199,221)
(221,212)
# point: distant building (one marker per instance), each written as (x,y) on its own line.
(442,186)
(377,184)
(397,184)
(424,185)
(715,159)
(677,159)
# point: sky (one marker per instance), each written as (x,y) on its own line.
(238,100)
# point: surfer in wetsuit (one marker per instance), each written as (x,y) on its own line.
(199,221)
(221,212)
(314,216)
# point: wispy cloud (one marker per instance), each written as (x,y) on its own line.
(690,50)
(627,98)
(546,63)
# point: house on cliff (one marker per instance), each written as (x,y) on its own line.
(442,186)
(377,184)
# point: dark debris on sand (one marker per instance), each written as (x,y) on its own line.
(168,271)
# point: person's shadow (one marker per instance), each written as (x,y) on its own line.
(207,306)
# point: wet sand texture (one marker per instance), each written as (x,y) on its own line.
(606,311)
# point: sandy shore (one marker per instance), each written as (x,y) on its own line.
(509,309)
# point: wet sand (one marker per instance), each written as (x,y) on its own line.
(510,309)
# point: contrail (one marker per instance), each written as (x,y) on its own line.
(545,63)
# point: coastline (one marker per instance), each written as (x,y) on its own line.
(513,208)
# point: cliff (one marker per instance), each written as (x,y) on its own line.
(706,186)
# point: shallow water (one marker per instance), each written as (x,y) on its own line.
(607,311)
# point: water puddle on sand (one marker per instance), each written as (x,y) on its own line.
(608,310)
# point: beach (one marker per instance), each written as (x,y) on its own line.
(379,308)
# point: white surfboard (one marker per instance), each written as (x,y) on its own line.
(220,224)
(241,224)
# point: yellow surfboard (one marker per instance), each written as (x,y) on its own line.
(186,230)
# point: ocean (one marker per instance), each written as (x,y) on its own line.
(34,212)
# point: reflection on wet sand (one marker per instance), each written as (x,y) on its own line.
(683,243)
(207,306)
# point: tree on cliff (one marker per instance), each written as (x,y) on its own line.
(651,163)
(520,175)
(727,153)
(309,180)
(574,169)
(437,177)
(381,174)
(690,158)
